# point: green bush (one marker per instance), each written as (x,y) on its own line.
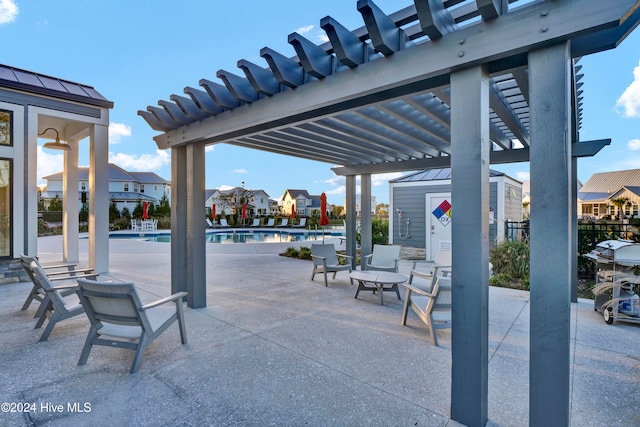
(512,259)
(502,280)
(291,252)
(304,253)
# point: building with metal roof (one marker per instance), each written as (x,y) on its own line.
(33,106)
(596,195)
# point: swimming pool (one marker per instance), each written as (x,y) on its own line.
(238,236)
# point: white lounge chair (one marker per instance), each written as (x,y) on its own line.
(224,223)
(209,223)
(284,222)
(255,223)
(302,223)
(383,258)
(270,222)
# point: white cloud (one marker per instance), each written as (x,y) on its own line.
(384,178)
(241,170)
(523,176)
(141,162)
(209,148)
(339,190)
(8,11)
(225,187)
(304,30)
(322,37)
(117,131)
(48,164)
(634,144)
(629,101)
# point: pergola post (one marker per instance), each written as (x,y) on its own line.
(365,215)
(470,147)
(98,198)
(550,101)
(179,219)
(70,211)
(196,239)
(350,220)
(573,197)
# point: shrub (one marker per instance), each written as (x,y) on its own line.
(512,259)
(291,252)
(304,252)
(502,280)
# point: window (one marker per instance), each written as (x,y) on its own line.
(6,123)
(142,188)
(135,187)
(126,186)
(83,186)
(5,207)
(155,188)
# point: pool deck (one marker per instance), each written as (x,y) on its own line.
(274,348)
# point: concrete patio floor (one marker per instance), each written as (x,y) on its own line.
(274,348)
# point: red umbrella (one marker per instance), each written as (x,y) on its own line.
(293,210)
(145,206)
(213,211)
(324,219)
(244,210)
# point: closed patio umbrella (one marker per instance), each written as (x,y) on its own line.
(145,207)
(293,210)
(324,219)
(213,211)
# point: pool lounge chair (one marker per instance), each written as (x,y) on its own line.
(255,223)
(284,222)
(270,222)
(301,224)
(224,223)
(209,223)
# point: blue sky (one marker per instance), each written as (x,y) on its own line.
(138,52)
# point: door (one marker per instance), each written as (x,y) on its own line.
(438,222)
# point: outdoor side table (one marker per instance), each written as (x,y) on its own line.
(381,281)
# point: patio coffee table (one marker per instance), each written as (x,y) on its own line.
(381,281)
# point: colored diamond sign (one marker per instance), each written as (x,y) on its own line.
(443,213)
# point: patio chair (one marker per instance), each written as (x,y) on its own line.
(433,308)
(118,318)
(255,223)
(284,222)
(301,224)
(54,272)
(441,265)
(57,307)
(325,260)
(270,222)
(209,223)
(383,258)
(223,223)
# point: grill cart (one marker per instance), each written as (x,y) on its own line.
(617,280)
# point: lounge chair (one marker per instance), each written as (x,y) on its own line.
(118,318)
(383,258)
(284,222)
(224,223)
(270,222)
(54,272)
(57,307)
(325,260)
(255,223)
(301,224)
(433,308)
(209,223)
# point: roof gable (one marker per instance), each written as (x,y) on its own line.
(610,182)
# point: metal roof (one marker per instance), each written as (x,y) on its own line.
(610,182)
(376,99)
(29,81)
(440,174)
(116,173)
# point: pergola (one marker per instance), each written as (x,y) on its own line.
(455,82)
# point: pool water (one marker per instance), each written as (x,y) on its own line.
(240,236)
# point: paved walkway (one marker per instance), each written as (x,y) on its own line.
(274,348)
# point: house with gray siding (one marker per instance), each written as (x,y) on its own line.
(420,211)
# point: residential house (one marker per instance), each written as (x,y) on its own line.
(300,200)
(126,188)
(228,201)
(595,198)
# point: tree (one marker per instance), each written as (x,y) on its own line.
(125,213)
(164,207)
(234,199)
(619,202)
(55,205)
(114,213)
(137,211)
(83,215)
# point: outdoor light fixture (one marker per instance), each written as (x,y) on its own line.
(55,145)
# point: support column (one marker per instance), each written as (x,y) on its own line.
(179,219)
(470,147)
(70,210)
(196,242)
(573,197)
(365,215)
(99,199)
(550,157)
(350,220)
